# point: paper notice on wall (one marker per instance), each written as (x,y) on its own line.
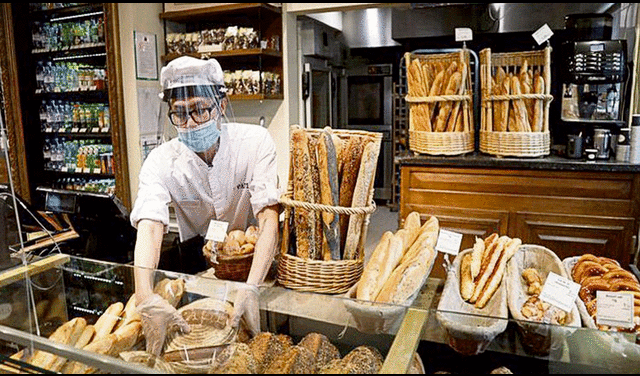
(149,119)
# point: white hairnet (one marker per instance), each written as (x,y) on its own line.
(188,71)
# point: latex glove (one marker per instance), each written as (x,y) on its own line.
(246,304)
(158,316)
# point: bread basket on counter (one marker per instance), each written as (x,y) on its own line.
(320,274)
(440,98)
(538,338)
(515,100)
(470,330)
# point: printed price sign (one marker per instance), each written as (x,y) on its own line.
(463,34)
(217,231)
(449,242)
(542,34)
(614,309)
(559,291)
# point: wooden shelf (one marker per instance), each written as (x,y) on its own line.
(228,53)
(217,10)
(246,97)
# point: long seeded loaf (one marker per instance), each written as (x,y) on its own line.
(352,155)
(304,219)
(328,162)
(361,194)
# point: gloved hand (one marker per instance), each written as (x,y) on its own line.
(246,304)
(158,316)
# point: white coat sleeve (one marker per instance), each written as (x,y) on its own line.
(152,201)
(264,184)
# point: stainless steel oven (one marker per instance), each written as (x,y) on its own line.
(367,105)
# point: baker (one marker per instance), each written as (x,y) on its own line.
(213,170)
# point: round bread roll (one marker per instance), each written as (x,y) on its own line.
(231,247)
(237,235)
(246,248)
(251,234)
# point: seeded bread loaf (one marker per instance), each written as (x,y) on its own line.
(304,219)
(322,349)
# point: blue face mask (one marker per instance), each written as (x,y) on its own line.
(202,138)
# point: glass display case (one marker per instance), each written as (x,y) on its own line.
(65,287)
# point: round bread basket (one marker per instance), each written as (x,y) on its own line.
(330,277)
(234,268)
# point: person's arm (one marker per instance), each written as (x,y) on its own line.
(146,256)
(265,247)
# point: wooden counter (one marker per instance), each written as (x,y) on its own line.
(568,206)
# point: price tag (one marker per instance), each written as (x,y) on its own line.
(48,130)
(614,309)
(217,231)
(74,130)
(84,130)
(449,242)
(542,34)
(559,291)
(105,130)
(78,170)
(97,170)
(86,170)
(95,130)
(463,34)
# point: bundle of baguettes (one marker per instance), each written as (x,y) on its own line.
(331,170)
(429,76)
(482,269)
(400,262)
(518,114)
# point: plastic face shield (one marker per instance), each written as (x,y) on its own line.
(194,107)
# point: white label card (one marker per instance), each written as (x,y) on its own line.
(542,34)
(449,242)
(463,34)
(614,309)
(217,231)
(559,291)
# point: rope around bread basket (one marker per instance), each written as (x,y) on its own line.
(506,143)
(448,142)
(332,276)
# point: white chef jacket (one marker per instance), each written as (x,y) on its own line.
(241,181)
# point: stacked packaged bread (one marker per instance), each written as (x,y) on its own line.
(327,208)
(473,306)
(598,273)
(439,93)
(527,272)
(516,90)
(231,259)
(396,271)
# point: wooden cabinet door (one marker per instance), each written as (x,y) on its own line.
(574,235)
(471,223)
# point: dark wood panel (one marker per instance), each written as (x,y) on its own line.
(572,235)
(551,183)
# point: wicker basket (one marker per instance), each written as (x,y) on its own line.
(330,277)
(422,136)
(234,268)
(536,143)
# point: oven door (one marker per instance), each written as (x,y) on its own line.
(369,100)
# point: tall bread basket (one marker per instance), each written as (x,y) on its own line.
(427,107)
(496,138)
(322,276)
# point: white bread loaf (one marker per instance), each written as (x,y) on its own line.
(427,236)
(370,275)
(380,270)
(412,224)
(84,339)
(108,320)
(67,334)
(466,282)
(407,278)
(496,276)
(488,264)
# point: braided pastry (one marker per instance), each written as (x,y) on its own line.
(587,269)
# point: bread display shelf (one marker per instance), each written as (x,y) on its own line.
(304,312)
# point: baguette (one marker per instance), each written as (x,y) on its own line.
(64,366)
(538,107)
(412,224)
(497,274)
(407,278)
(369,283)
(436,89)
(352,156)
(126,337)
(103,346)
(361,194)
(501,116)
(522,120)
(107,321)
(428,236)
(488,264)
(476,257)
(454,124)
(129,314)
(445,109)
(67,334)
(302,191)
(388,264)
(466,280)
(316,253)
(327,159)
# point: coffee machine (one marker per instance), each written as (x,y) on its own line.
(593,75)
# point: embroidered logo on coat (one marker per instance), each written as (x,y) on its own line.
(242,186)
